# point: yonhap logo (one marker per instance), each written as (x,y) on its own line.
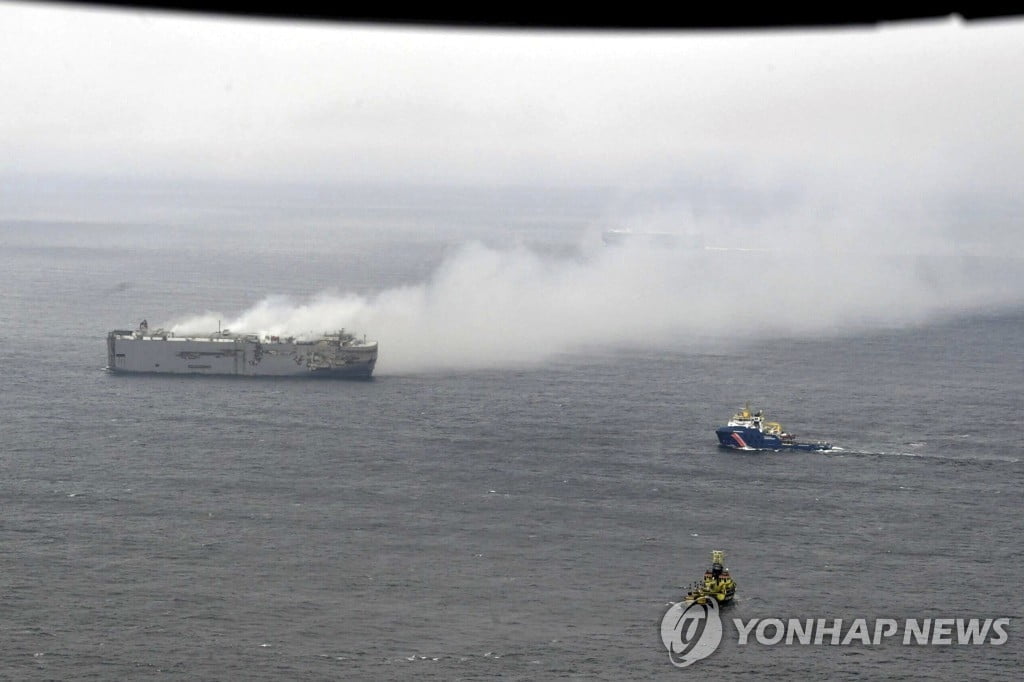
(691,632)
(867,632)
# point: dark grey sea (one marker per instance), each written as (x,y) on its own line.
(529,521)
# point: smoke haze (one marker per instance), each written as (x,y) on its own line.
(501,307)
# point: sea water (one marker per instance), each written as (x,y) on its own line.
(524,521)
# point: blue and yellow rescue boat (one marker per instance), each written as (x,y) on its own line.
(752,431)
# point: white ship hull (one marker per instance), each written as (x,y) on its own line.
(242,355)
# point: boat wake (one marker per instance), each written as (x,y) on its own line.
(973,457)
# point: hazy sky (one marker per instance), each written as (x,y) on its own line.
(912,107)
(868,146)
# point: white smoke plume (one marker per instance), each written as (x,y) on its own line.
(490,307)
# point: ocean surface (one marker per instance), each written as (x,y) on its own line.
(523,522)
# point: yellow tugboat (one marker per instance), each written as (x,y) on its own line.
(717,583)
